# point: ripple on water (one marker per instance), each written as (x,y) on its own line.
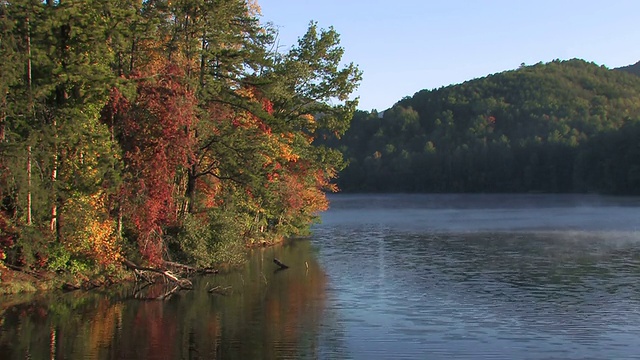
(406,292)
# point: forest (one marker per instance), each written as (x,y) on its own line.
(161,130)
(559,127)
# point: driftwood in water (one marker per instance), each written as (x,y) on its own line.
(144,273)
(139,271)
(280,264)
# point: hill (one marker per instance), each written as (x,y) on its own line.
(633,69)
(563,126)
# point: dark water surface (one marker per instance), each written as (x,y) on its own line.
(384,277)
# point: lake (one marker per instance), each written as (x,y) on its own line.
(383,276)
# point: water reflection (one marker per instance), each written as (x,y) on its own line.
(443,285)
(264,315)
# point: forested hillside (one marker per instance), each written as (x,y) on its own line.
(633,69)
(160,130)
(564,126)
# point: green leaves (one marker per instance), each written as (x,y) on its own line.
(309,80)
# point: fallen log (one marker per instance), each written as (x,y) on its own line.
(167,294)
(183,283)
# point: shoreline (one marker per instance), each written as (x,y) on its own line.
(17,282)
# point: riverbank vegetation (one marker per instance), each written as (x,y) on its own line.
(563,126)
(160,130)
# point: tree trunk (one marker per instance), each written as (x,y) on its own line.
(29,222)
(3,118)
(29,79)
(190,194)
(133,56)
(119,220)
(54,177)
(30,104)
(61,97)
(203,59)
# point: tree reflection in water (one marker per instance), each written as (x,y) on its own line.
(264,314)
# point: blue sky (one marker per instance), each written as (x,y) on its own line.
(404,46)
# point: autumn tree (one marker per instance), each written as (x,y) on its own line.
(153,132)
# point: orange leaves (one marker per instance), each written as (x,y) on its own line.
(288,154)
(253,8)
(89,231)
(286,150)
(293,179)
(209,188)
(303,196)
(311,124)
(102,242)
(302,190)
(323,179)
(279,151)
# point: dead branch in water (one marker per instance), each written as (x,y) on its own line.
(171,273)
(166,274)
(167,294)
(280,264)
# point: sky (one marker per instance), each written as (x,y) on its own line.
(404,46)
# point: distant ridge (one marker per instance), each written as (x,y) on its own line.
(633,69)
(565,126)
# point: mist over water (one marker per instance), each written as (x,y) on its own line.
(470,213)
(484,276)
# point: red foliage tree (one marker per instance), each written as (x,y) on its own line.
(154,132)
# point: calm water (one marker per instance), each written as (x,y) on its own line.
(483,276)
(392,276)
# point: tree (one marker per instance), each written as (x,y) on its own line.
(152,129)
